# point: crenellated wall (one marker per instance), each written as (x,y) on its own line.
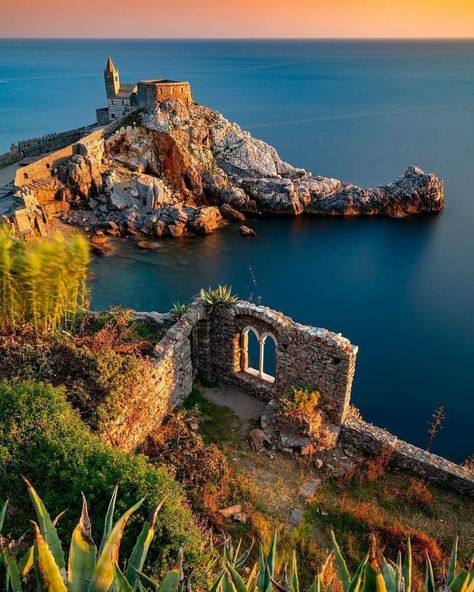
(152,92)
(41,145)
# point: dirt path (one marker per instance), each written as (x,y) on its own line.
(270,481)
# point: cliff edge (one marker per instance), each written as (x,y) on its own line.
(184,168)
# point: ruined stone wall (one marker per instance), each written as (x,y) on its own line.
(167,381)
(208,343)
(37,146)
(370,439)
(304,355)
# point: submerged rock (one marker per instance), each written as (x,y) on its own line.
(246,231)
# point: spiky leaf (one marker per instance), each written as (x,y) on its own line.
(341,564)
(82,553)
(103,576)
(47,528)
(49,572)
(109,519)
(140,550)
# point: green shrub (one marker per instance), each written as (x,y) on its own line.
(96,382)
(43,438)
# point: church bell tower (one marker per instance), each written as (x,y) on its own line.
(112,79)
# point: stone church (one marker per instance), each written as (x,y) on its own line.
(145,94)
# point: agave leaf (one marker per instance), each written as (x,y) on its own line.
(82,553)
(470,585)
(271,557)
(237,580)
(357,579)
(407,567)
(25,563)
(217,584)
(390,577)
(341,564)
(294,581)
(120,581)
(170,582)
(49,571)
(429,576)
(253,577)
(227,585)
(11,571)
(148,581)
(47,528)
(140,550)
(452,563)
(264,583)
(109,519)
(460,581)
(3,511)
(103,576)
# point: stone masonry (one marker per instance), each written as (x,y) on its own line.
(211,343)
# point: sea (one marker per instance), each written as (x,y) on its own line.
(361,111)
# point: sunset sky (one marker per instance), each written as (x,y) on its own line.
(237,18)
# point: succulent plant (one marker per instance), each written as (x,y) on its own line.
(220,296)
(87,570)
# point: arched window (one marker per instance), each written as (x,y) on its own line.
(259,354)
(269,357)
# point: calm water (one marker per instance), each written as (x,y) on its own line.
(403,290)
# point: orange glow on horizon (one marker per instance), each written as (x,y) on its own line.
(238,18)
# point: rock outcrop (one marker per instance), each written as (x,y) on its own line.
(188,170)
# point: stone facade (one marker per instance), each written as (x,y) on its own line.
(305,355)
(368,438)
(152,92)
(167,381)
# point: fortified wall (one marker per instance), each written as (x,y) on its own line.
(36,185)
(214,344)
(41,145)
(152,92)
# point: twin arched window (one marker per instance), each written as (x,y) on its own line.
(259,354)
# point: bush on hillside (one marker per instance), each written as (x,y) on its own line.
(43,438)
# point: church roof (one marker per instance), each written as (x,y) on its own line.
(110,65)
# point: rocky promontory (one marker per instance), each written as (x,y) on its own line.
(186,169)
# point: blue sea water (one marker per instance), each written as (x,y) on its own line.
(362,111)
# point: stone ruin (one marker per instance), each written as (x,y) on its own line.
(214,345)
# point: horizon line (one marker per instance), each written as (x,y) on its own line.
(276,38)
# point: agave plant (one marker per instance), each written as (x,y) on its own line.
(178,309)
(220,296)
(397,576)
(87,569)
(368,577)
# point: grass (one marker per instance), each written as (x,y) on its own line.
(219,424)
(387,508)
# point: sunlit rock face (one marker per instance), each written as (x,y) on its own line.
(186,167)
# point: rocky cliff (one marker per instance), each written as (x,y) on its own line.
(185,169)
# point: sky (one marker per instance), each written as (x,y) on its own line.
(237,18)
